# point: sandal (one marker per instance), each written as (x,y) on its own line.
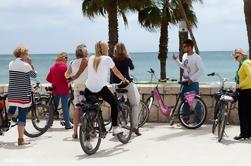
(22,142)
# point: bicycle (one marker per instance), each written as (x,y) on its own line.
(92,127)
(191,110)
(225,98)
(49,100)
(120,92)
(37,112)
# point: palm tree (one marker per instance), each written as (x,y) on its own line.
(247,11)
(112,8)
(186,14)
(158,15)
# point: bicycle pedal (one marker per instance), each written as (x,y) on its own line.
(103,134)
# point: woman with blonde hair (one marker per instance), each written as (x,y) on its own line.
(19,92)
(99,66)
(123,62)
(78,71)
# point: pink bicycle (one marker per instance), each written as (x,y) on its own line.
(189,108)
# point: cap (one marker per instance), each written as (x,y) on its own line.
(239,51)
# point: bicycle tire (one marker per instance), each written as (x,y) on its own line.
(216,113)
(143,113)
(36,133)
(222,122)
(84,133)
(125,121)
(71,108)
(186,122)
(38,115)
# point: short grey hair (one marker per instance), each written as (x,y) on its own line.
(80,50)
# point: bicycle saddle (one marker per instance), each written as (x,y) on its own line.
(120,90)
(50,88)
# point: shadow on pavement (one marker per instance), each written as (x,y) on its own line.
(116,150)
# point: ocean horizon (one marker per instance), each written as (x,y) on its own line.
(214,61)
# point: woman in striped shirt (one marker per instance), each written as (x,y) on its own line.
(19,93)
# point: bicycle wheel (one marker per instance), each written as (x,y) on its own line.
(71,108)
(43,117)
(90,133)
(216,114)
(222,121)
(39,119)
(192,117)
(125,121)
(143,113)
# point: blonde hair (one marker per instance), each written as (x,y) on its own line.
(81,51)
(101,48)
(61,56)
(20,50)
(120,52)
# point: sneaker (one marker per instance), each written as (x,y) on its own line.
(88,145)
(117,130)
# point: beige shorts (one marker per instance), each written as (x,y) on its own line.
(77,97)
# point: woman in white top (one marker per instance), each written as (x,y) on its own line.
(98,67)
(79,82)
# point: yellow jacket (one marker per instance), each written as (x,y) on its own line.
(245,75)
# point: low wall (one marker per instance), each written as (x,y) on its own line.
(170,93)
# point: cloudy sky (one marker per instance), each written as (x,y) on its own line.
(50,26)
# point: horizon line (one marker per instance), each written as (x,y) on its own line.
(129,52)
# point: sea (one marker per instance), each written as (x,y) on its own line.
(220,62)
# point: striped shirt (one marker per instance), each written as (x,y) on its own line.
(19,93)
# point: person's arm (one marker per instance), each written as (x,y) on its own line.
(68,71)
(49,78)
(131,66)
(82,67)
(199,72)
(246,81)
(176,59)
(30,66)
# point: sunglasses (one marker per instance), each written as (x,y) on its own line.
(236,57)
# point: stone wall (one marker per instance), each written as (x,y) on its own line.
(170,93)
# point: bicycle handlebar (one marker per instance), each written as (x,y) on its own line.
(211,74)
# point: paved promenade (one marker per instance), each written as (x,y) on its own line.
(160,144)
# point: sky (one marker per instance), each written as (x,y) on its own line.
(51,26)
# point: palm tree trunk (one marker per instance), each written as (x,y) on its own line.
(112,25)
(163,50)
(247,11)
(182,37)
(183,13)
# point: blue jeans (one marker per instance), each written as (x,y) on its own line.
(64,103)
(187,88)
(22,112)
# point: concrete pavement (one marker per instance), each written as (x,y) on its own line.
(160,144)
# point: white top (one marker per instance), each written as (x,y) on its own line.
(98,79)
(79,83)
(192,65)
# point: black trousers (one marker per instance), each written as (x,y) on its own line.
(107,95)
(244,110)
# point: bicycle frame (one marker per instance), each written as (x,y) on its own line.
(165,110)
